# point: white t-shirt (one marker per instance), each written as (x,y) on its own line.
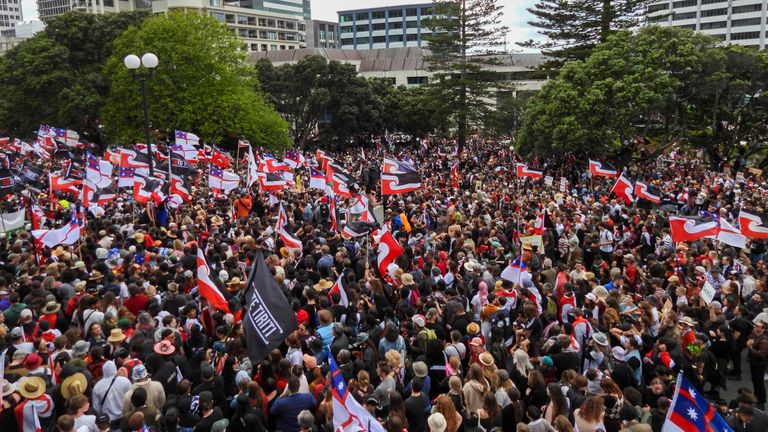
(606,237)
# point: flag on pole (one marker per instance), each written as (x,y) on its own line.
(602,169)
(388,250)
(253,168)
(348,414)
(624,189)
(66,235)
(205,285)
(221,179)
(399,183)
(187,138)
(284,232)
(316,179)
(753,225)
(692,228)
(340,288)
(647,192)
(12,221)
(691,412)
(268,317)
(524,171)
(516,272)
(729,235)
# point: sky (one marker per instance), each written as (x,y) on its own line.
(515,13)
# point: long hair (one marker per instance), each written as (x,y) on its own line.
(592,409)
(557,397)
(491,406)
(444,405)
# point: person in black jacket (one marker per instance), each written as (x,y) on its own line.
(212,383)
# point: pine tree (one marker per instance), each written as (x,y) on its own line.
(466,34)
(574,27)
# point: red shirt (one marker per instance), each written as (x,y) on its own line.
(136,303)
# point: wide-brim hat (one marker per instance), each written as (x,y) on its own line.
(80,348)
(420,369)
(322,285)
(285,252)
(32,387)
(73,385)
(473,328)
(164,347)
(486,359)
(600,292)
(96,275)
(51,308)
(407,279)
(217,220)
(6,388)
(470,264)
(527,246)
(688,321)
(116,335)
(600,339)
(235,281)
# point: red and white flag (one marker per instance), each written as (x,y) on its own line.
(284,232)
(340,288)
(205,285)
(388,251)
(602,169)
(692,228)
(524,171)
(624,189)
(753,225)
(649,193)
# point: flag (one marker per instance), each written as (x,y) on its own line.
(388,250)
(268,317)
(647,192)
(539,223)
(348,414)
(692,228)
(729,235)
(103,196)
(179,164)
(186,138)
(253,168)
(271,182)
(125,177)
(340,184)
(316,179)
(753,225)
(12,221)
(624,189)
(66,136)
(98,171)
(524,171)
(30,173)
(179,188)
(66,235)
(516,272)
(189,152)
(340,288)
(293,159)
(691,412)
(356,229)
(222,180)
(332,213)
(399,183)
(394,166)
(59,182)
(269,164)
(284,232)
(133,159)
(143,186)
(600,169)
(7,182)
(219,158)
(363,207)
(206,287)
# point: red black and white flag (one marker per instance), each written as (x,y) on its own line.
(286,235)
(524,171)
(647,192)
(333,215)
(271,182)
(602,169)
(388,251)
(205,285)
(180,189)
(692,228)
(340,288)
(399,183)
(753,225)
(624,189)
(394,166)
(356,229)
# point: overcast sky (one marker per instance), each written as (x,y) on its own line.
(515,15)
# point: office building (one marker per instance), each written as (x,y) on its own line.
(740,22)
(47,9)
(297,8)
(385,27)
(323,34)
(22,31)
(10,14)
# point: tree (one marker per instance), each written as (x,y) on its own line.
(664,86)
(465,34)
(56,76)
(201,84)
(573,28)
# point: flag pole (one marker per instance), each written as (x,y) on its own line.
(237,158)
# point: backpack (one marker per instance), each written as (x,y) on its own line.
(431,335)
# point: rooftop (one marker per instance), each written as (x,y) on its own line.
(379,8)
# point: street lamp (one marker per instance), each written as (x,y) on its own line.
(133,63)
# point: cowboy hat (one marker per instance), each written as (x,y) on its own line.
(164,347)
(407,279)
(470,264)
(51,308)
(235,281)
(688,321)
(322,285)
(32,387)
(527,246)
(285,252)
(420,369)
(74,385)
(6,388)
(473,328)
(217,220)
(600,292)
(116,335)
(80,348)
(96,276)
(600,339)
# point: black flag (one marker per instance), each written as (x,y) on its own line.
(268,318)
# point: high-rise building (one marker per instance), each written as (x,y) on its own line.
(10,14)
(297,8)
(385,27)
(322,34)
(740,22)
(47,9)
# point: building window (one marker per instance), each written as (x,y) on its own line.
(713,25)
(377,15)
(396,13)
(271,23)
(271,35)
(688,26)
(290,25)
(412,37)
(427,11)
(396,38)
(254,47)
(345,18)
(242,20)
(346,29)
(280,24)
(273,47)
(684,3)
(300,27)
(657,7)
(348,42)
(243,33)
(362,28)
(417,80)
(714,12)
(219,16)
(683,16)
(747,8)
(262,22)
(363,16)
(411,12)
(395,25)
(379,26)
(379,39)
(745,22)
(745,35)
(706,2)
(411,24)
(657,19)
(361,41)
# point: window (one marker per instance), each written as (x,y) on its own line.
(107,3)
(396,38)
(271,23)
(412,37)
(719,36)
(273,47)
(362,16)
(346,29)
(684,3)
(262,34)
(395,25)
(347,42)
(683,16)
(411,24)
(657,19)
(230,19)
(714,12)
(747,8)
(262,22)
(657,7)
(411,12)
(271,35)
(705,2)
(282,47)
(361,28)
(280,24)
(417,80)
(242,20)
(713,25)
(745,35)
(254,47)
(219,16)
(290,25)
(300,27)
(379,26)
(379,39)
(745,22)
(362,41)
(427,11)
(688,26)
(397,13)
(377,15)
(243,33)
(345,18)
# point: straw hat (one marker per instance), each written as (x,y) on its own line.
(235,281)
(139,237)
(527,246)
(486,359)
(96,276)
(285,252)
(217,220)
(74,385)
(688,321)
(31,387)
(322,285)
(473,328)
(80,286)
(407,279)
(51,308)
(116,335)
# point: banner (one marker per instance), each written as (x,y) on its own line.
(536,240)
(12,221)
(268,318)
(707,293)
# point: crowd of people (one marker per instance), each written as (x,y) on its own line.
(111,334)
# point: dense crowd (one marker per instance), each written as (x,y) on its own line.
(111,334)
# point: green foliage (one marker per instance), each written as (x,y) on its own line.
(55,77)
(573,28)
(666,84)
(465,36)
(201,84)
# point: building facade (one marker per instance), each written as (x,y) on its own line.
(298,8)
(740,22)
(10,14)
(323,34)
(48,9)
(385,27)
(22,31)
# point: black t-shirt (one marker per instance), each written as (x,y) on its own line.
(414,411)
(206,423)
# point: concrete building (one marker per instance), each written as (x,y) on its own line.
(740,22)
(22,31)
(385,27)
(323,34)
(300,9)
(10,14)
(408,66)
(47,9)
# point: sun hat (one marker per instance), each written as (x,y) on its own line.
(32,362)
(51,308)
(116,335)
(80,348)
(600,339)
(618,353)
(486,359)
(407,279)
(591,296)
(164,347)
(420,369)
(6,388)
(74,385)
(31,387)
(688,321)
(437,423)
(322,285)
(80,286)
(473,328)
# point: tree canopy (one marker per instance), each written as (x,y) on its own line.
(201,84)
(660,86)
